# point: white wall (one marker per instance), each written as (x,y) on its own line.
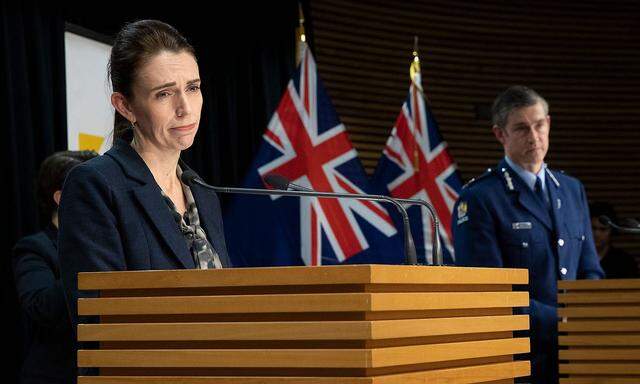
(89,110)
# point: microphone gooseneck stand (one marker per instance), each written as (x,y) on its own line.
(189,177)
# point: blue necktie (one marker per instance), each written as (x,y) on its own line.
(537,188)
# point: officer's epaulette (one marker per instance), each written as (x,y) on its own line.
(487,173)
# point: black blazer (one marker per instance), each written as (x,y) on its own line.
(113,218)
(47,339)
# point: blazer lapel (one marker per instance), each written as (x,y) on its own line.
(149,197)
(151,200)
(556,197)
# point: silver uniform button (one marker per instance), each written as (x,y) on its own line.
(560,242)
(525,244)
(563,271)
(582,238)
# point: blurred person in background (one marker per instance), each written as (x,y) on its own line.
(48,349)
(617,263)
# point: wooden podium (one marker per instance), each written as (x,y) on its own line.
(350,324)
(599,331)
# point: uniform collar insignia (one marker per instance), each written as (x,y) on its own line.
(555,181)
(507,179)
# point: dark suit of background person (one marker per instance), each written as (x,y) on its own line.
(48,342)
(500,221)
(616,263)
(48,355)
(120,221)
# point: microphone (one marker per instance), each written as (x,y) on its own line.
(630,223)
(189,177)
(282,183)
(607,221)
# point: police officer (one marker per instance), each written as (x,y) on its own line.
(521,214)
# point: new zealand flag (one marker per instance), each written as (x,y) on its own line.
(306,143)
(415,164)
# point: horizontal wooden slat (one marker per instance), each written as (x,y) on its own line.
(310,316)
(303,358)
(600,369)
(600,326)
(354,302)
(461,375)
(321,330)
(599,380)
(611,297)
(607,284)
(295,276)
(600,311)
(621,354)
(600,340)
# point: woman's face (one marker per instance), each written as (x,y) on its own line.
(167,102)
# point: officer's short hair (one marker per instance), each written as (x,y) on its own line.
(514,97)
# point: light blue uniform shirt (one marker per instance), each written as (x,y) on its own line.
(529,177)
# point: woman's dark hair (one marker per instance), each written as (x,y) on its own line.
(53,172)
(135,44)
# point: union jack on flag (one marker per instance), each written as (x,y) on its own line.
(415,164)
(306,143)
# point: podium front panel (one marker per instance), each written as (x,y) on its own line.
(599,331)
(331,324)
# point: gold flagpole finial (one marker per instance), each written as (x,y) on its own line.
(301,37)
(414,69)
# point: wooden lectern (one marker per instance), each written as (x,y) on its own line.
(349,324)
(599,331)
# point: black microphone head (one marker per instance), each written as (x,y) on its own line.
(189,177)
(605,220)
(276,181)
(300,188)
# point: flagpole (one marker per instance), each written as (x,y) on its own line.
(415,70)
(301,37)
(416,80)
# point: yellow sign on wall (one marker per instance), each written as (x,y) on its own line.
(88,142)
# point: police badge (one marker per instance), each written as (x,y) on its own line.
(462,212)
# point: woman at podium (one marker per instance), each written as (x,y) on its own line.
(128,209)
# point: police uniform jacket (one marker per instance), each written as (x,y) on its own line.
(499,221)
